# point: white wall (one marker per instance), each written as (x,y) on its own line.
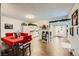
(8,20)
(59,25)
(42,22)
(60,31)
(75,39)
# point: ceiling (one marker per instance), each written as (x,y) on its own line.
(41,11)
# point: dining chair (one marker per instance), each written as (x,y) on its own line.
(26,43)
(8,34)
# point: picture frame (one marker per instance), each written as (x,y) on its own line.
(8,26)
(72,31)
(75,18)
(77,30)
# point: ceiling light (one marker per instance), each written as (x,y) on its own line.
(30,16)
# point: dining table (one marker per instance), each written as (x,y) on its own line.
(12,42)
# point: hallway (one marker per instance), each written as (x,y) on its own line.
(40,48)
(50,29)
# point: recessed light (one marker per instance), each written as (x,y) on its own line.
(30,16)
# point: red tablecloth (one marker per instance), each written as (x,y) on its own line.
(11,41)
